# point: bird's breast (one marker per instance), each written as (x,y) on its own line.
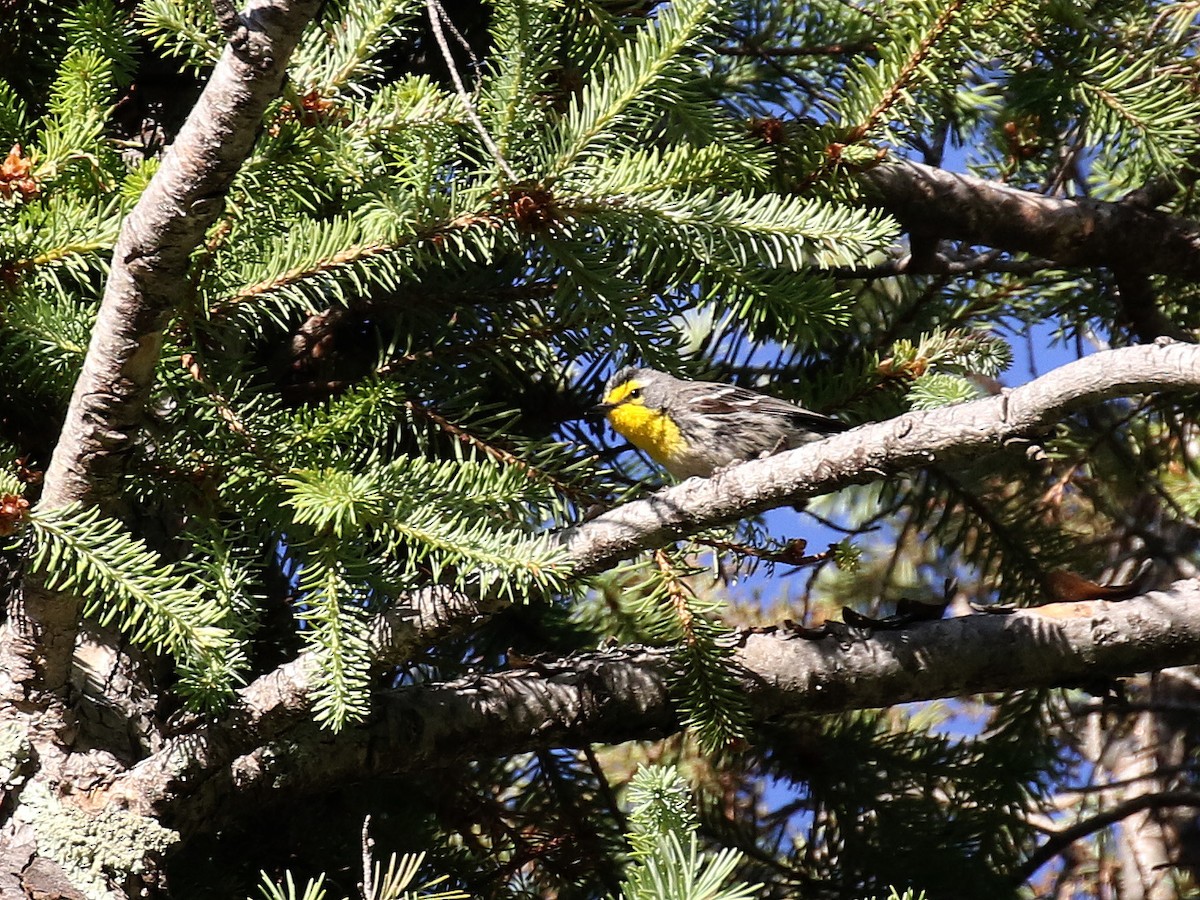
(648,429)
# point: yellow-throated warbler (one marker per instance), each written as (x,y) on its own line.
(697,427)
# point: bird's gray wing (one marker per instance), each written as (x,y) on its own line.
(728,399)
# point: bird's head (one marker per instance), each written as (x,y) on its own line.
(632,389)
(635,403)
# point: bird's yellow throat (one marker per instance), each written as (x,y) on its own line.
(647,429)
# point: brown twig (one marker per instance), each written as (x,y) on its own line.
(1061,840)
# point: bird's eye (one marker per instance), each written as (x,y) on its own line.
(635,394)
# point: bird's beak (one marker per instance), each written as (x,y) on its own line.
(600,410)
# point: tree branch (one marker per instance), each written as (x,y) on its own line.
(277,701)
(1061,840)
(623,694)
(147,282)
(149,276)
(870,452)
(1071,232)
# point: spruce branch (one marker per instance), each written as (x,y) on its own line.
(79,552)
(667,862)
(499,454)
(344,59)
(650,67)
(1068,232)
(874,451)
(228,415)
(147,282)
(745,230)
(334,615)
(1137,113)
(192,32)
(623,694)
(710,704)
(318,260)
(333,260)
(907,70)
(275,702)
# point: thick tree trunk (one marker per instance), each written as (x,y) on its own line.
(56,741)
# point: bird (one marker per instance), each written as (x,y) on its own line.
(698,428)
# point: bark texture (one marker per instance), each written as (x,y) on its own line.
(622,694)
(1127,236)
(147,283)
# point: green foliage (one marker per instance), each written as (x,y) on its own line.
(78,109)
(676,873)
(668,863)
(922,50)
(98,24)
(374,386)
(401,229)
(434,510)
(13,114)
(78,550)
(345,54)
(49,334)
(661,805)
(288,890)
(956,350)
(392,884)
(667,603)
(336,629)
(184,28)
(1140,115)
(940,362)
(941,389)
(123,583)
(512,102)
